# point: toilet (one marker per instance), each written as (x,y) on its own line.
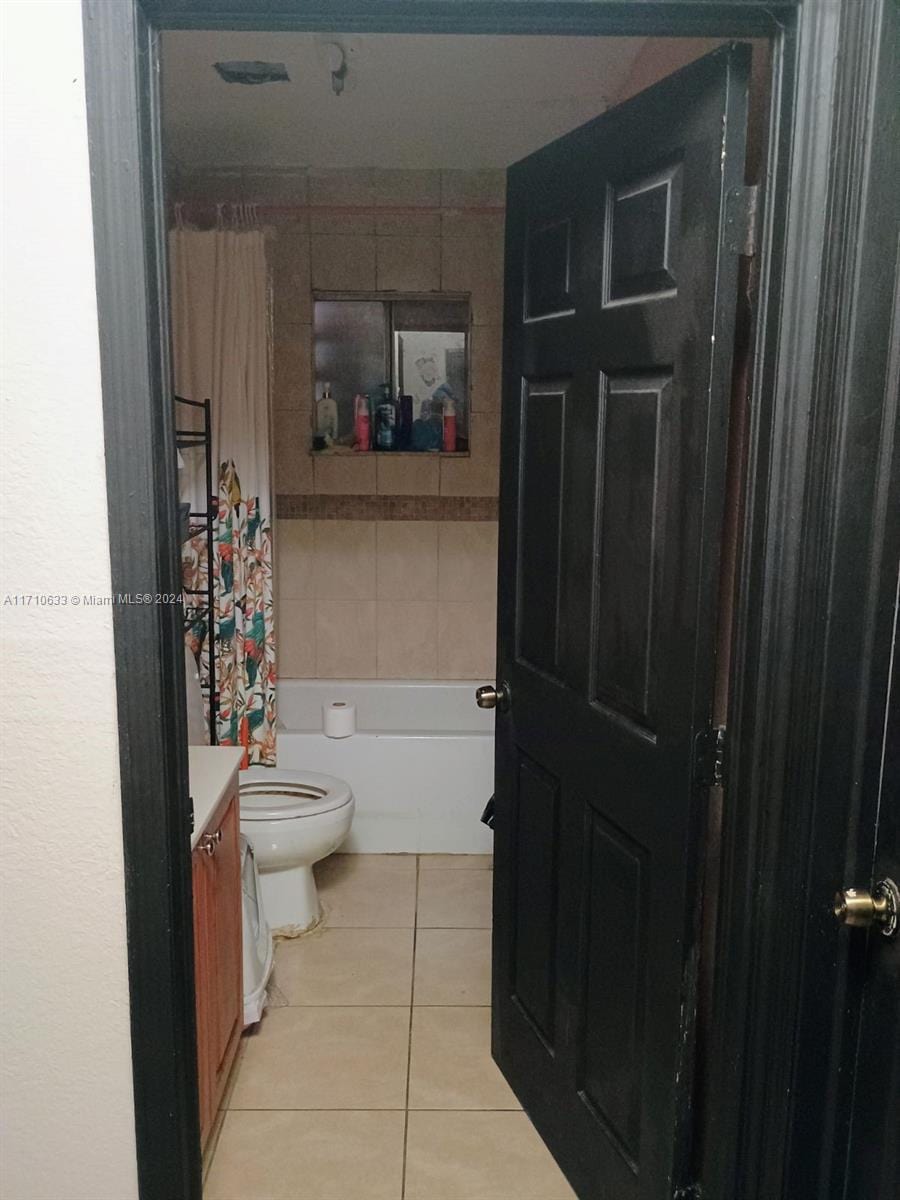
(292,819)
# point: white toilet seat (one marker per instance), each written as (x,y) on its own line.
(270,794)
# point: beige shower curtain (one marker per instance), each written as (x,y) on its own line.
(220,343)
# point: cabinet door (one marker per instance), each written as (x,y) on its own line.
(227,947)
(203,983)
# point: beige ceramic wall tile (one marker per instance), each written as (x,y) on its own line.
(407,189)
(479,474)
(408,224)
(453,966)
(407,639)
(332,221)
(344,474)
(475,265)
(288,252)
(467,640)
(462,222)
(483,1155)
(345,639)
(293,466)
(292,375)
(401,475)
(368,891)
(407,560)
(225,185)
(294,564)
(408,264)
(346,966)
(337,1155)
(454,899)
(295,639)
(326,1058)
(341,187)
(286,186)
(467,560)
(487,359)
(451,1065)
(342,262)
(473,189)
(345,560)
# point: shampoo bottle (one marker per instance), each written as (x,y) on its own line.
(327,416)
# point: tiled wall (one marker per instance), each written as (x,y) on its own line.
(448,237)
(386,599)
(375,597)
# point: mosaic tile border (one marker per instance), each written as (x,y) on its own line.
(386,508)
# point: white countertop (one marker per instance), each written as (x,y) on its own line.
(211,770)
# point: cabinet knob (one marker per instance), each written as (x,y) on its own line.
(209,842)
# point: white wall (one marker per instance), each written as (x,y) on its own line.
(65,1066)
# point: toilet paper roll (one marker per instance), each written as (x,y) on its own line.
(339,719)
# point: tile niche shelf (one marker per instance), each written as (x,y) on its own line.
(414,346)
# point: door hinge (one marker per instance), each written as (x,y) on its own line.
(709,757)
(751,228)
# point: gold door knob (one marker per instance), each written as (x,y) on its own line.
(492,697)
(860,908)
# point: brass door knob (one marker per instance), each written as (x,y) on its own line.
(493,697)
(862,909)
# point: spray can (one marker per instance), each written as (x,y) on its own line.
(362,426)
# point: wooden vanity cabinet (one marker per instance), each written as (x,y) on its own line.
(218,955)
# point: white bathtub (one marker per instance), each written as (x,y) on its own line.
(421,763)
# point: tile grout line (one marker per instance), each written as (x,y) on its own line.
(412,1001)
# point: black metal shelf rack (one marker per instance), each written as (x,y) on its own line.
(202,522)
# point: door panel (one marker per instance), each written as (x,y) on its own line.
(540,516)
(612,1043)
(631,490)
(640,237)
(620,299)
(537,882)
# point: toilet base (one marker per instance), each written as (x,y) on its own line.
(291,899)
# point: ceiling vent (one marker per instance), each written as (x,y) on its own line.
(252,72)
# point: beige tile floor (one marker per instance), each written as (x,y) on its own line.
(370,1076)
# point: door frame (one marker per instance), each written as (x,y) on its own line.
(822,123)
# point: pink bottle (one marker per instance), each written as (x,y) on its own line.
(362,426)
(449,426)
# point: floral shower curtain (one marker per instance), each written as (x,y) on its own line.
(220,340)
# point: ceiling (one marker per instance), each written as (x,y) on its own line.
(411,100)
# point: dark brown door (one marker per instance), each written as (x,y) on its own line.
(621,260)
